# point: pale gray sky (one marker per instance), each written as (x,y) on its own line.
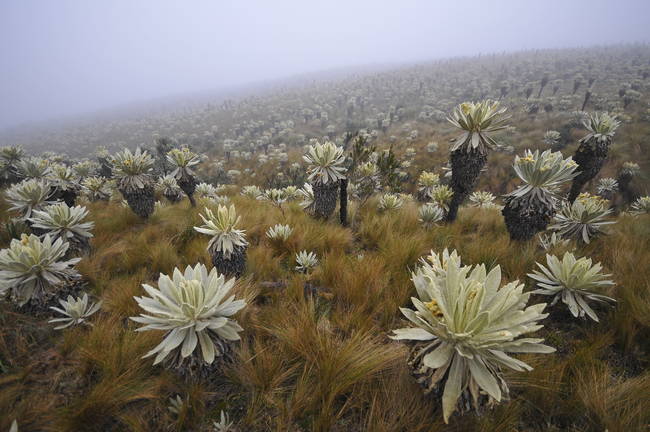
(65,57)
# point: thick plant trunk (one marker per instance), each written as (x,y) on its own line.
(10,178)
(105,169)
(422,196)
(194,368)
(188,185)
(173,197)
(466,167)
(608,195)
(42,299)
(324,199)
(68,196)
(230,267)
(343,198)
(140,200)
(433,386)
(627,193)
(586,100)
(590,159)
(565,138)
(525,217)
(78,247)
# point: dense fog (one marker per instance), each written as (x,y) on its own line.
(71,57)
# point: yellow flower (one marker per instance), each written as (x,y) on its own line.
(592,201)
(433,307)
(528,159)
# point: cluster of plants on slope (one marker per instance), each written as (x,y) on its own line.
(466,319)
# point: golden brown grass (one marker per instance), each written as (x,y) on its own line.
(314,354)
(614,403)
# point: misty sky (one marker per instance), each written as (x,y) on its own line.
(65,57)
